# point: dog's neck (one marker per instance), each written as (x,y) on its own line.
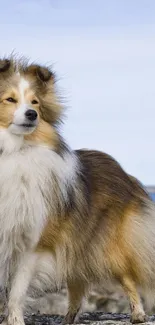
(10,143)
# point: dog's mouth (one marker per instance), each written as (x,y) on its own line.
(23,128)
(27,125)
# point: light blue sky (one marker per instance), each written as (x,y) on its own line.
(104,54)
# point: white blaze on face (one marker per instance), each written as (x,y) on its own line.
(20,124)
(23,86)
(19,115)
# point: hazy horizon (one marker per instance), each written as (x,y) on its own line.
(103,53)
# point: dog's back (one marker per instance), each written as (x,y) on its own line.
(107,232)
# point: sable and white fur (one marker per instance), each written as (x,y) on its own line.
(74,213)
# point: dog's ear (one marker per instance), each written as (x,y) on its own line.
(45,74)
(5,65)
(42,74)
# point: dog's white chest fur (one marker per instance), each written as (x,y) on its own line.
(24,181)
(27,179)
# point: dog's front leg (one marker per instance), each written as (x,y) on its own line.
(3,288)
(19,284)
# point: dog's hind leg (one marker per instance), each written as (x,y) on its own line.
(137,311)
(76,291)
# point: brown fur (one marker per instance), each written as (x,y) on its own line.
(94,234)
(101,230)
(42,89)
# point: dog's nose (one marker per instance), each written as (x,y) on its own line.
(31,114)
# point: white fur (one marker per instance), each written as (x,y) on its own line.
(24,176)
(26,187)
(23,86)
(19,116)
(20,284)
(45,275)
(10,143)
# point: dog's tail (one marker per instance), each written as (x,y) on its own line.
(140,238)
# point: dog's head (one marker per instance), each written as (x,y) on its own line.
(27,97)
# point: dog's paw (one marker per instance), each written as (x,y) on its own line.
(137,318)
(13,319)
(70,318)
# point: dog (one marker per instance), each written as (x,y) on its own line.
(77,211)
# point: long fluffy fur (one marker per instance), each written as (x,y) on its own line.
(72,215)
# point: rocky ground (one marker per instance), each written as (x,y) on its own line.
(86,318)
(104,306)
(100,299)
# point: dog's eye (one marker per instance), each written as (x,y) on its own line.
(11,100)
(34,102)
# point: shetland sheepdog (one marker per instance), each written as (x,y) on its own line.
(77,211)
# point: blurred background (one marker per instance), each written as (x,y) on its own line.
(103,52)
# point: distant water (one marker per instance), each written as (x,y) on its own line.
(152,196)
